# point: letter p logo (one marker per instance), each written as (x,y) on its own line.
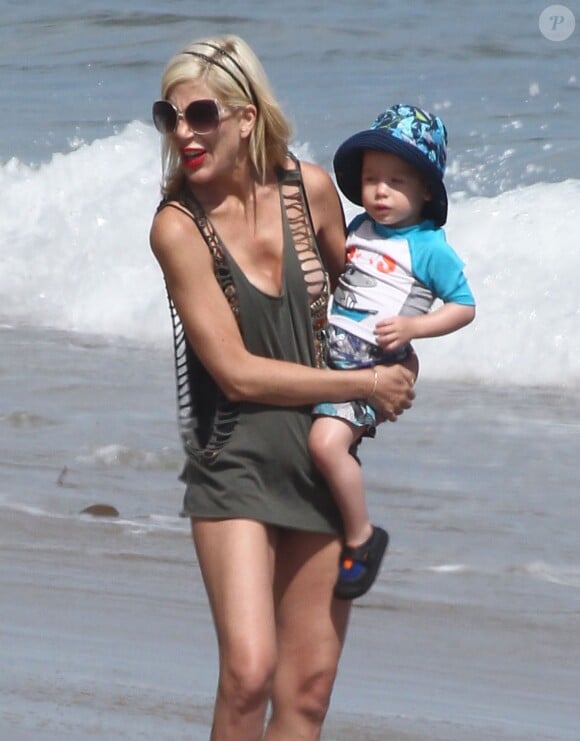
(557,23)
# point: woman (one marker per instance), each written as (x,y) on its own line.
(246,237)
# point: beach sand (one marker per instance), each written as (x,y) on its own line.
(471,631)
(105,634)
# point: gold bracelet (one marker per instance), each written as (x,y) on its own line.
(375,382)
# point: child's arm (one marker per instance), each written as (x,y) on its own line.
(395,331)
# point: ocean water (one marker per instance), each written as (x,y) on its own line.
(477,484)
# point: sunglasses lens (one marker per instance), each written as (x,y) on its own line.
(164,116)
(202,116)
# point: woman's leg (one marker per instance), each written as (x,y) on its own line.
(311,628)
(237,563)
(329,443)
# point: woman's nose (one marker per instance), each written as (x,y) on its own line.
(182,126)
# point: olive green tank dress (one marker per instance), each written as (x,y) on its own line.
(247,460)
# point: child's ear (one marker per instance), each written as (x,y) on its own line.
(427,196)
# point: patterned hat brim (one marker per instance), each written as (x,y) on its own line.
(348,167)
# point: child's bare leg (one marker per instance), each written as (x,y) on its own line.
(330,441)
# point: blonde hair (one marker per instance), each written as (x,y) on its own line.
(232,70)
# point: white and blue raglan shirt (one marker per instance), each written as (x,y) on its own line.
(391,272)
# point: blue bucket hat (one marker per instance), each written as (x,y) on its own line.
(418,137)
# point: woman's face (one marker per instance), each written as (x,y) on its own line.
(206,157)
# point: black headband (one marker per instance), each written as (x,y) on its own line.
(211,60)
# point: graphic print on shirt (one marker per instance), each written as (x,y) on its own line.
(375,282)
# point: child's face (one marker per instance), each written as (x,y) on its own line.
(393,192)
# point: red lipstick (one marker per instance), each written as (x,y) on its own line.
(192,158)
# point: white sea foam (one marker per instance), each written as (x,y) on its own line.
(566,576)
(448,568)
(77,258)
(122,456)
(137,525)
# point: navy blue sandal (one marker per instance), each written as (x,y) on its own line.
(359,566)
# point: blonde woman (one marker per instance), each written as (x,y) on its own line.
(248,239)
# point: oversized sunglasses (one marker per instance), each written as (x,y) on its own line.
(202,116)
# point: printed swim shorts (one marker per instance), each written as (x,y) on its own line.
(348,352)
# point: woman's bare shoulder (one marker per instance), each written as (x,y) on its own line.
(178,244)
(321,192)
(316,180)
(172,225)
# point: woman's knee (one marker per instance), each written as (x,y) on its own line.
(303,704)
(314,695)
(247,680)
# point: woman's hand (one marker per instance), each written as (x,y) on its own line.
(394,392)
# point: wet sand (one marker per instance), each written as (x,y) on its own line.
(105,634)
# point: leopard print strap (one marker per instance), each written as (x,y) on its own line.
(315,277)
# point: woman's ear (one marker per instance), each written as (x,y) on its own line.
(247,120)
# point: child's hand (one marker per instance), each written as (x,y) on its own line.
(393,332)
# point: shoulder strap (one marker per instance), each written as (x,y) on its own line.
(300,222)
